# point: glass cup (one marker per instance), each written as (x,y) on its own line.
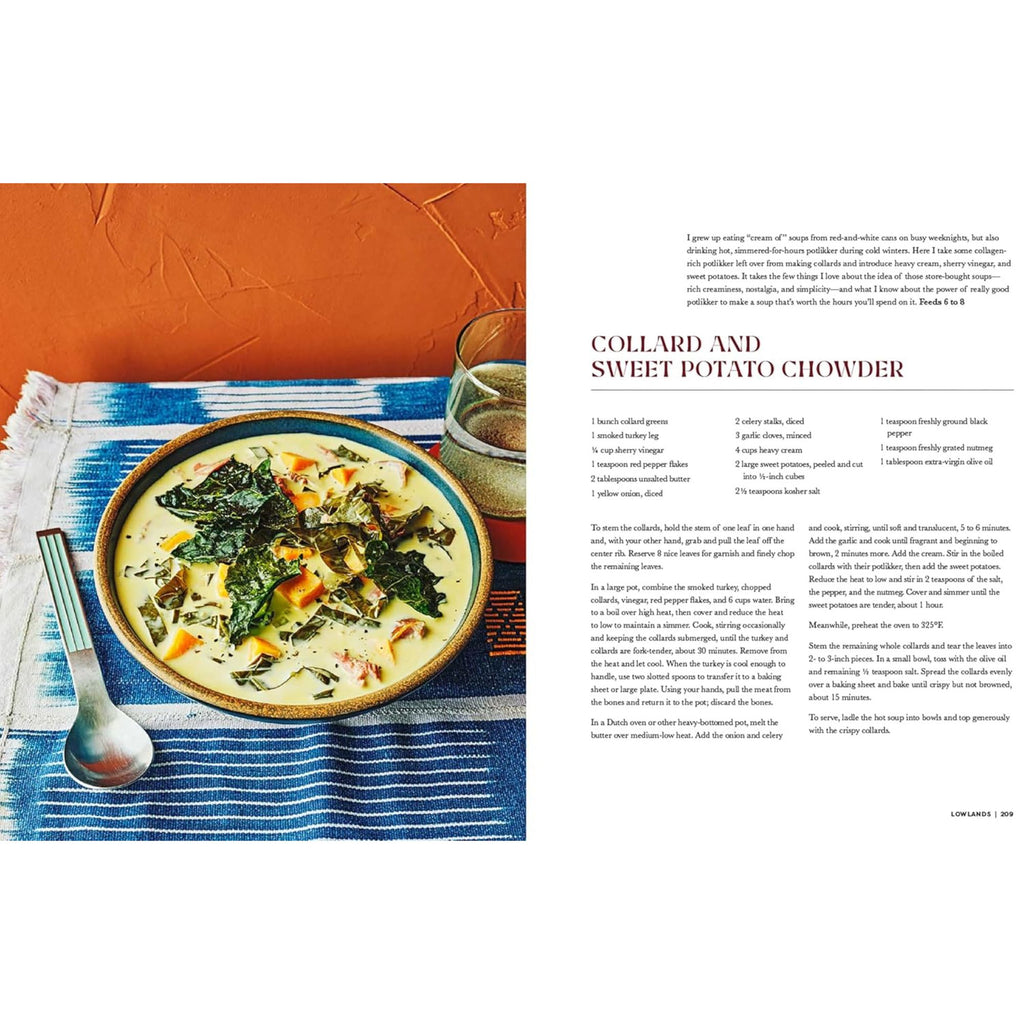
(484,440)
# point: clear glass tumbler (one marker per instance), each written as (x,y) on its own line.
(484,441)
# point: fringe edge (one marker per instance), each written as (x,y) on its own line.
(32,411)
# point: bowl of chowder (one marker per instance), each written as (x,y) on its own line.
(292,565)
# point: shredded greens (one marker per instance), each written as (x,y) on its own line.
(154,623)
(172,593)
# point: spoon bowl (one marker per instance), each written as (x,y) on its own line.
(106,749)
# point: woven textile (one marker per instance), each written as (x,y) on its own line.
(447,762)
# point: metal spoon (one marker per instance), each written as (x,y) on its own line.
(105,749)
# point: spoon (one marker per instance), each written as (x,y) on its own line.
(105,749)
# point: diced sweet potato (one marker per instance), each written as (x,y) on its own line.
(290,554)
(343,474)
(181,642)
(296,462)
(222,573)
(175,539)
(255,647)
(301,589)
(304,500)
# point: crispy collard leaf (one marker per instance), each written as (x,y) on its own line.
(228,476)
(250,584)
(404,575)
(278,510)
(213,544)
(234,506)
(231,496)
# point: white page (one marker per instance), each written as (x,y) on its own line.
(774,875)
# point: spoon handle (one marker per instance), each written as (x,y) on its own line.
(86,674)
(67,601)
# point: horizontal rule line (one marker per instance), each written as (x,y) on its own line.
(697,391)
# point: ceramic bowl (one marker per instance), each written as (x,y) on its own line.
(239,428)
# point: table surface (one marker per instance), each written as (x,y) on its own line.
(448,761)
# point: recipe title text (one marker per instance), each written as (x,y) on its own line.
(687,349)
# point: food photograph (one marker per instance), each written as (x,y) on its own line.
(263,512)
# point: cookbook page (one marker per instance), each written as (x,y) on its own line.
(773,705)
(778,565)
(795,518)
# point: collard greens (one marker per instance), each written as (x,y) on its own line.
(404,575)
(232,495)
(250,584)
(240,512)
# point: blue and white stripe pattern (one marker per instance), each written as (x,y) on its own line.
(446,762)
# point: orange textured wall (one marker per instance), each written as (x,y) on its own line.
(201,282)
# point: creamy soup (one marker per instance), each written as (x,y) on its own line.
(293,568)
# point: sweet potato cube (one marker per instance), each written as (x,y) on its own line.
(181,642)
(304,500)
(343,474)
(296,463)
(301,589)
(254,648)
(222,574)
(175,539)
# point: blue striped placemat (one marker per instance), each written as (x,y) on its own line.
(446,762)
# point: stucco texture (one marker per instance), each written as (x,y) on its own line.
(213,282)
